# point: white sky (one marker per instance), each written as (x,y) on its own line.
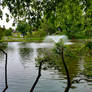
(3,21)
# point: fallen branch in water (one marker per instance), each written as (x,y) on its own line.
(78,80)
(38,77)
(6,84)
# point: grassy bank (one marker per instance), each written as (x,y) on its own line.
(32,39)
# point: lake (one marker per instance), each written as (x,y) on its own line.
(22,71)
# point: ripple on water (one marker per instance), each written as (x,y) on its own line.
(22,71)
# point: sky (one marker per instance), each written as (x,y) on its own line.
(3,21)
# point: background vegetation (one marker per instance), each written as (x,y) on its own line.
(70,17)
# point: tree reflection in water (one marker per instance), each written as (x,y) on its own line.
(54,61)
(25,55)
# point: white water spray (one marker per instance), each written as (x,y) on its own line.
(57,38)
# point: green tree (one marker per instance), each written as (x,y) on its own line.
(23,28)
(88,17)
(30,10)
(68,14)
(73,16)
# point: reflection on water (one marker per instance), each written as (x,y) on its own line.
(25,55)
(22,71)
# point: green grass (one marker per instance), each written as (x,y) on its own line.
(15,39)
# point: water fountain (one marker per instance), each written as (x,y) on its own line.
(36,46)
(49,42)
(56,38)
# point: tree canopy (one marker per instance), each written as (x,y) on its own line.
(73,16)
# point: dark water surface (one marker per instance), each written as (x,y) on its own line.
(22,71)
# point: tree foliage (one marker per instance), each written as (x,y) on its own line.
(73,16)
(25,9)
(0,13)
(23,28)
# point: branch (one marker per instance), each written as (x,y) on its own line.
(67,73)
(78,80)
(3,51)
(38,77)
(6,84)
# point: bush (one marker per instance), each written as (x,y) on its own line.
(39,33)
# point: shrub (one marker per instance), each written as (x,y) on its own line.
(39,33)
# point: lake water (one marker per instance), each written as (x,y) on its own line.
(22,71)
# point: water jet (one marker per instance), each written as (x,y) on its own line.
(57,38)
